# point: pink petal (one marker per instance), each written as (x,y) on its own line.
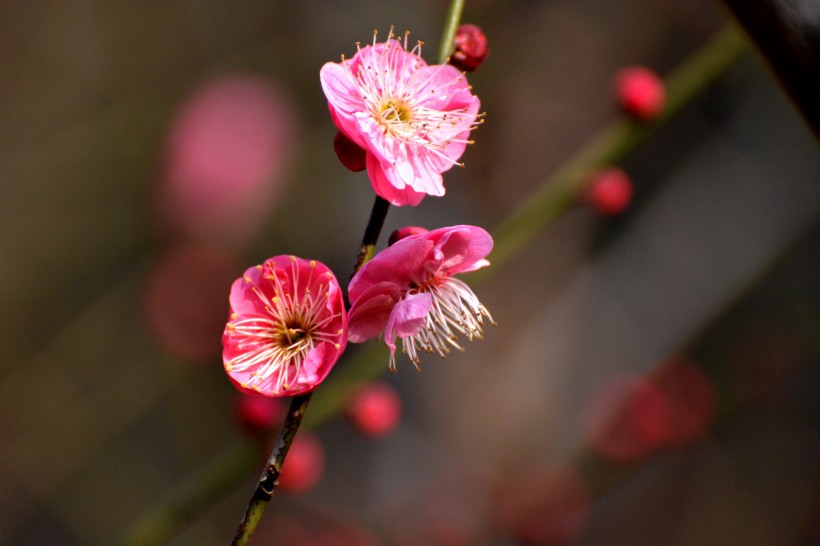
(407,318)
(461,248)
(386,189)
(242,298)
(401,264)
(340,88)
(370,312)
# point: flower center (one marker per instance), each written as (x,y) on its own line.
(293,337)
(395,111)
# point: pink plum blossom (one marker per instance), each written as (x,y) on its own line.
(408,291)
(287,327)
(412,120)
(226,154)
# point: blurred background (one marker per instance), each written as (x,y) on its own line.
(652,378)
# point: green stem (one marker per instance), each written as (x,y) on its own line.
(610,145)
(448,37)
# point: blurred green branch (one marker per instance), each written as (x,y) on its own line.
(554,196)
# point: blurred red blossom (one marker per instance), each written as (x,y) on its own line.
(692,399)
(304,465)
(630,417)
(258,415)
(374,409)
(226,150)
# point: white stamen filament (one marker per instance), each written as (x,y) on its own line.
(455,309)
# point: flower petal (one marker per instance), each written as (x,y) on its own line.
(368,316)
(388,190)
(401,264)
(461,248)
(407,318)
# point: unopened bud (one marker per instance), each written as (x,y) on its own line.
(609,191)
(401,233)
(471,48)
(640,92)
(349,153)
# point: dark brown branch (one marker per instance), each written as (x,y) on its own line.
(787,32)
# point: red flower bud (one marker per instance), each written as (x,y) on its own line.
(304,464)
(258,415)
(374,409)
(401,233)
(640,92)
(609,191)
(471,48)
(349,153)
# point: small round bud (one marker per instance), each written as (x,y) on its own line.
(304,464)
(471,48)
(609,191)
(640,92)
(349,153)
(258,415)
(374,409)
(401,233)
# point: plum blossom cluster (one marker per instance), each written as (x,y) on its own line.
(406,123)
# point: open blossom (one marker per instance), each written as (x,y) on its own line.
(287,327)
(408,291)
(412,120)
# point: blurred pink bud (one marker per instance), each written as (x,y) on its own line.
(401,233)
(349,153)
(609,191)
(374,409)
(184,299)
(304,464)
(627,418)
(226,150)
(640,92)
(258,415)
(470,49)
